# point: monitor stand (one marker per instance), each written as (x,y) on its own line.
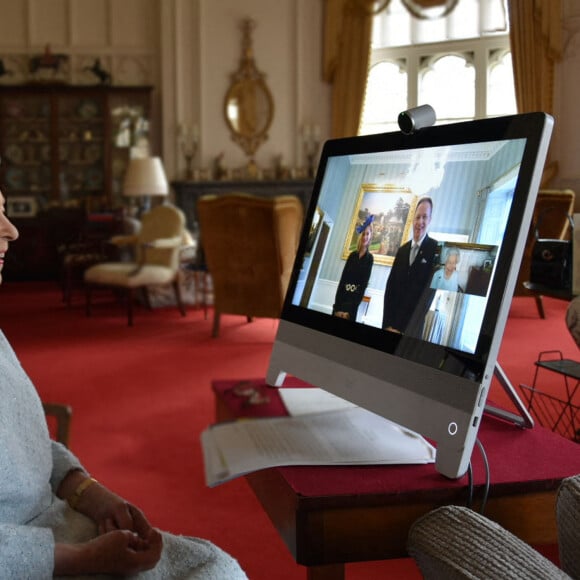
(523,419)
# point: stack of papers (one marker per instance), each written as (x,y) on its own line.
(304,401)
(347,435)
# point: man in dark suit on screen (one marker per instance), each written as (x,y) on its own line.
(411,271)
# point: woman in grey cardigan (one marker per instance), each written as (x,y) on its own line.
(55,520)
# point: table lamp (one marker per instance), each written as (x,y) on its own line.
(144,178)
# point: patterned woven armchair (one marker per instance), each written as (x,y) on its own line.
(250,243)
(454,543)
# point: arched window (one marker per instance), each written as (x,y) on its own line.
(386,96)
(447,83)
(501,95)
(459,64)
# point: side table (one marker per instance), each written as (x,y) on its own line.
(329,516)
(561,415)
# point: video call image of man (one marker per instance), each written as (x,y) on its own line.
(445,278)
(411,271)
(355,274)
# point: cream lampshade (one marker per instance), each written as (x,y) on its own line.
(145,177)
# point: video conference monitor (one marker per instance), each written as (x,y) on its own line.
(413,339)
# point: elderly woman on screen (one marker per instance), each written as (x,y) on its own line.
(55,520)
(446,277)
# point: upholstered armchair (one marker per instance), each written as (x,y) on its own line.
(92,247)
(455,542)
(156,248)
(249,243)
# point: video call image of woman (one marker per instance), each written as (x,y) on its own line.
(355,275)
(445,278)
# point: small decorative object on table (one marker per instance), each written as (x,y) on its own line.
(219,168)
(311,140)
(188,139)
(102,75)
(49,67)
(281,170)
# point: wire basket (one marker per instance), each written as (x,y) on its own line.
(561,417)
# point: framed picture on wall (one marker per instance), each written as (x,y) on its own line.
(21,206)
(392,208)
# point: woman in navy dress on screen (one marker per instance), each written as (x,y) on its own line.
(355,275)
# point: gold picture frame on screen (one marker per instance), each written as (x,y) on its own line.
(393,207)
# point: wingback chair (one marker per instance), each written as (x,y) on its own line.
(250,243)
(552,207)
(156,247)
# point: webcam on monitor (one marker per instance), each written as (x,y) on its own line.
(417,118)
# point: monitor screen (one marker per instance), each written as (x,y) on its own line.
(405,272)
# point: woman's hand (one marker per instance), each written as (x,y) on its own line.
(108,510)
(127,543)
(120,552)
(111,512)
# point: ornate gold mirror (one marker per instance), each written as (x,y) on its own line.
(248,106)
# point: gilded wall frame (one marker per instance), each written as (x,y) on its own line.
(393,208)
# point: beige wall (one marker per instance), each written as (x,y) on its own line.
(124,34)
(287,43)
(187,49)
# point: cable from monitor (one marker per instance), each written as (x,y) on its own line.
(469,502)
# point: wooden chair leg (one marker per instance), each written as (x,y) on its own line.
(540,305)
(178,300)
(129,298)
(205,287)
(68,289)
(65,281)
(216,324)
(145,295)
(88,297)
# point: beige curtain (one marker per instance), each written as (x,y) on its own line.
(347,45)
(536,44)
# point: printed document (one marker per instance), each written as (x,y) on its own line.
(301,401)
(349,436)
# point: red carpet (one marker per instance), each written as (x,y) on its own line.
(141,398)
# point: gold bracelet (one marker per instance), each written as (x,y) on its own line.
(73,500)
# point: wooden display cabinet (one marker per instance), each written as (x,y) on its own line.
(64,152)
(69,145)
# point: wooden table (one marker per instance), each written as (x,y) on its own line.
(329,516)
